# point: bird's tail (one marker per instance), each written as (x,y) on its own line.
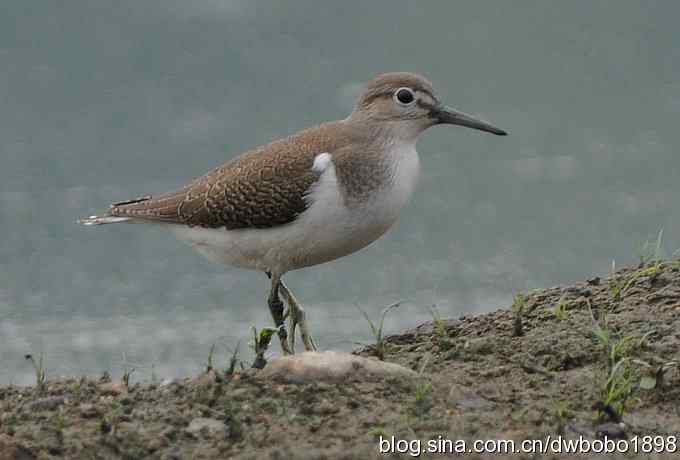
(101,220)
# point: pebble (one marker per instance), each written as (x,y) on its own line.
(331,366)
(611,430)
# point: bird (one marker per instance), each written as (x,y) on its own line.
(315,196)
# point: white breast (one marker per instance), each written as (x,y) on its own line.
(327,230)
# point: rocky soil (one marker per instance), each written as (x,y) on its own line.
(592,359)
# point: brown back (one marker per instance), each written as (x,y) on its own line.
(261,188)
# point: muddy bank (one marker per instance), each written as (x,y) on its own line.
(592,359)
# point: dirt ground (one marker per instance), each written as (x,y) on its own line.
(592,359)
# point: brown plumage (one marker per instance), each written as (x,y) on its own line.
(261,188)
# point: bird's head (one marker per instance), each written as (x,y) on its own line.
(407,102)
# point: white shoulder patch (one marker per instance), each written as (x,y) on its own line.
(321,162)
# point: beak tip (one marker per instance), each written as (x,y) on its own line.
(451,116)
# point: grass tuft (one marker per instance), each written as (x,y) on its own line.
(234,361)
(39,368)
(210,365)
(423,397)
(621,378)
(377,330)
(561,310)
(260,345)
(562,415)
(518,308)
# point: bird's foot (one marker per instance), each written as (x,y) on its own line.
(283,338)
(297,316)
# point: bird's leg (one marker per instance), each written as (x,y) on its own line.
(297,317)
(276,309)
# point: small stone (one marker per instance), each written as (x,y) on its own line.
(207,427)
(330,366)
(611,430)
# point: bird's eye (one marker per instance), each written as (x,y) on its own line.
(404,96)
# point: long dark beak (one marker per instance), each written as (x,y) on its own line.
(444,114)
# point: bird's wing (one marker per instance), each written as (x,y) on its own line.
(260,189)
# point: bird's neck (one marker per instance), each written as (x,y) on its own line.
(387,131)
(379,155)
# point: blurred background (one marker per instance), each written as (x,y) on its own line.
(102,102)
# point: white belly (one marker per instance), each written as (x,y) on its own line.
(327,230)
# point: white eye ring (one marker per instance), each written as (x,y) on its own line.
(404,96)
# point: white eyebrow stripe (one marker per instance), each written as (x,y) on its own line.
(321,162)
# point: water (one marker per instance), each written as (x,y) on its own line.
(104,105)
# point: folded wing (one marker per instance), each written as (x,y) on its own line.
(256,190)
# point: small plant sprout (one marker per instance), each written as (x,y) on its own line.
(518,306)
(562,415)
(128,370)
(560,310)
(437,322)
(377,331)
(621,378)
(39,368)
(652,253)
(651,263)
(260,345)
(619,285)
(377,430)
(59,425)
(234,361)
(617,348)
(423,392)
(440,335)
(602,335)
(675,259)
(615,283)
(126,376)
(211,355)
(617,390)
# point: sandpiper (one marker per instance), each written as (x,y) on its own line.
(317,195)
